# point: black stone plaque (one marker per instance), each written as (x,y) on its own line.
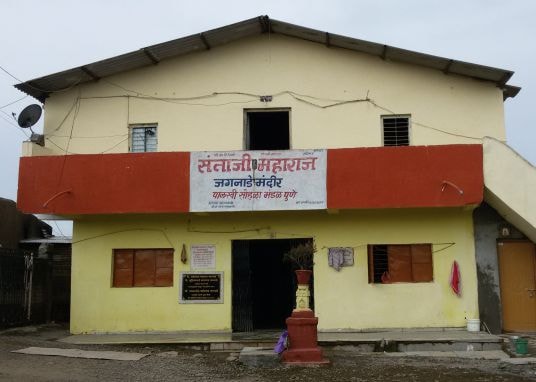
(201,286)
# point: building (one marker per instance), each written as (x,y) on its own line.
(55,252)
(16,226)
(34,269)
(190,167)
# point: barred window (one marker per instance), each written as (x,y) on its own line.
(142,267)
(410,263)
(395,130)
(143,138)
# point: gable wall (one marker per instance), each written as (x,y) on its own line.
(270,65)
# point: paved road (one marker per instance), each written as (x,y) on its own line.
(164,365)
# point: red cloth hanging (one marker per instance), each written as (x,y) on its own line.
(386,278)
(455,279)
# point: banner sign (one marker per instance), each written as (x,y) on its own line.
(257,180)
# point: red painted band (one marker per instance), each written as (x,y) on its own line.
(380,177)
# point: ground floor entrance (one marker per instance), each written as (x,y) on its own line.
(263,284)
(517,265)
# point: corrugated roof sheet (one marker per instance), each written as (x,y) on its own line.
(49,240)
(41,87)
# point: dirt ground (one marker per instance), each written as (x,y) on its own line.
(190,365)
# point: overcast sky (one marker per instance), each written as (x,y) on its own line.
(44,37)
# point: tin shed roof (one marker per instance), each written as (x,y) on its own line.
(48,240)
(40,88)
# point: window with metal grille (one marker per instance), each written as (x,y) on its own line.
(393,263)
(143,138)
(395,130)
(142,267)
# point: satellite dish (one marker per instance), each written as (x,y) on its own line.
(29,116)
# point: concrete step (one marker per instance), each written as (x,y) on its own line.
(259,357)
(409,346)
(386,341)
(240,345)
(411,341)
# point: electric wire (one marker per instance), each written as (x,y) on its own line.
(59,147)
(69,139)
(14,125)
(297,96)
(114,146)
(304,98)
(58,227)
(77,109)
(40,89)
(63,149)
(178,100)
(330,105)
(425,126)
(88,136)
(127,230)
(11,116)
(447,246)
(189,229)
(361,245)
(314,97)
(76,101)
(141,94)
(9,74)
(13,102)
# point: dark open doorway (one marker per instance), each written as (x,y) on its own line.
(267,130)
(263,285)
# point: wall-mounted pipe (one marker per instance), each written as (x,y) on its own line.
(55,196)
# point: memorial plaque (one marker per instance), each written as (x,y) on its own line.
(201,287)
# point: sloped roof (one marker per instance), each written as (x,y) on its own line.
(41,87)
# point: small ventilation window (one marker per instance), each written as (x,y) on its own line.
(395,130)
(143,138)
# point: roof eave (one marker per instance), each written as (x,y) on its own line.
(510,91)
(41,88)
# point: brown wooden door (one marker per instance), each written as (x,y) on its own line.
(518,285)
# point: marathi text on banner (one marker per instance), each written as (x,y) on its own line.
(257,180)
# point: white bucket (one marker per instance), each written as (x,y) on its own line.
(473,325)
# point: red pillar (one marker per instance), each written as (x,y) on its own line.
(303,340)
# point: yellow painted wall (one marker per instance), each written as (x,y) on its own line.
(344,300)
(271,65)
